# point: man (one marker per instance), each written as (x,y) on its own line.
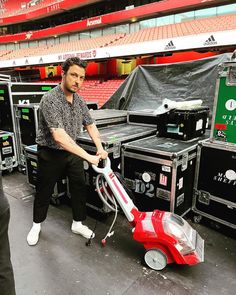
(62,113)
(7,283)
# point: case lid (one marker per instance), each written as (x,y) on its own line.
(118,133)
(218,145)
(163,146)
(32,148)
(5,133)
(104,114)
(195,110)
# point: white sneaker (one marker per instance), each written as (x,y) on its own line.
(33,235)
(83,230)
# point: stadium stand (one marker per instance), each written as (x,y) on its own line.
(192,27)
(25,46)
(99,91)
(11,8)
(62,47)
(96,90)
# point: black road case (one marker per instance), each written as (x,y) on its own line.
(112,138)
(145,118)
(12,93)
(8,155)
(215,183)
(27,122)
(6,111)
(26,127)
(224,113)
(106,117)
(92,105)
(29,93)
(60,188)
(160,172)
(183,124)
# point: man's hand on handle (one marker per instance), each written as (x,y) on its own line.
(102,153)
(94,159)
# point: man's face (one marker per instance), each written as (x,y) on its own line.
(74,78)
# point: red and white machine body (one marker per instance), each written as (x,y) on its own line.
(166,236)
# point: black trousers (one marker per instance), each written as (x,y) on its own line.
(53,165)
(7,283)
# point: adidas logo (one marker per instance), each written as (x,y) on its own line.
(210,41)
(170,45)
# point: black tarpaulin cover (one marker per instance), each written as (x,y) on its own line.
(148,85)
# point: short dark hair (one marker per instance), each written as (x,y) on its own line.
(73,61)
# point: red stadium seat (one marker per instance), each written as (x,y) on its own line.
(100,92)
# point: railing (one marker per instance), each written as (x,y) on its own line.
(5,78)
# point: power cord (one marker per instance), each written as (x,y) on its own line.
(109,200)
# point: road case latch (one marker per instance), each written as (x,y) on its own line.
(116,152)
(184,162)
(204,197)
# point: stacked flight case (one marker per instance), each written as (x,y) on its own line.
(144,117)
(215,187)
(215,182)
(92,105)
(8,155)
(26,127)
(14,93)
(112,138)
(224,114)
(6,111)
(107,117)
(160,172)
(183,124)
(60,189)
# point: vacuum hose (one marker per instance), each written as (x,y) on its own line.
(105,196)
(108,199)
(105,193)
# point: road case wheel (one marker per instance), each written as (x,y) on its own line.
(197,218)
(155,259)
(21,169)
(55,201)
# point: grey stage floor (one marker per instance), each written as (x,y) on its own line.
(61,263)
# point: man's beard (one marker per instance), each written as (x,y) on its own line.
(70,90)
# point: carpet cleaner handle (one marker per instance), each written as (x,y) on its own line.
(107,166)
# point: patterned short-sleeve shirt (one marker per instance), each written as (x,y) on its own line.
(56,112)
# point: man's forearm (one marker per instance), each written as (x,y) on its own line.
(95,135)
(68,144)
